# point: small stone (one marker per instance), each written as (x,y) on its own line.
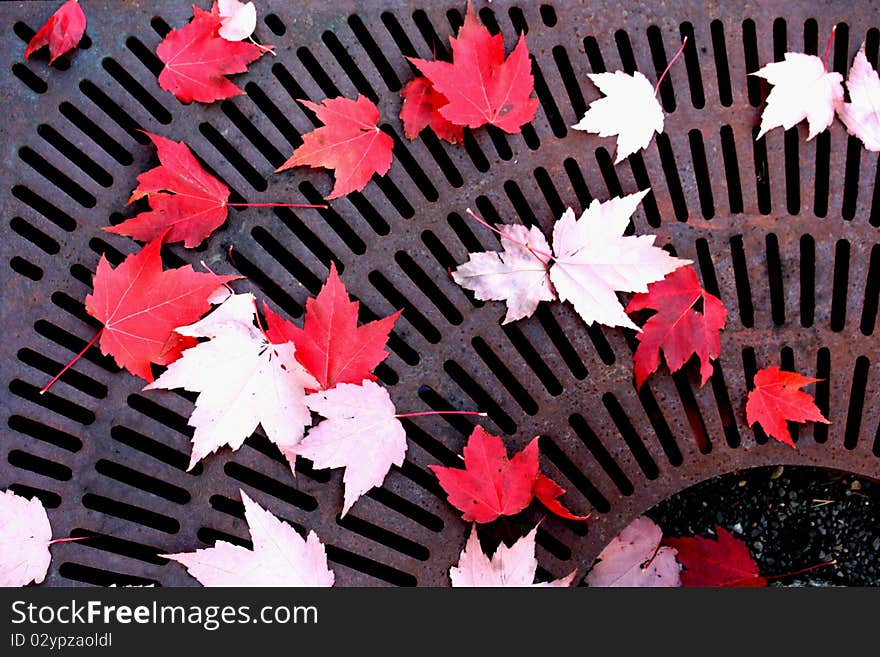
(876,544)
(759,546)
(738,528)
(855,485)
(741,483)
(777,473)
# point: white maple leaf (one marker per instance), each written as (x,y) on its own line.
(593,260)
(635,558)
(280,556)
(360,434)
(509,566)
(802,89)
(25,535)
(238,20)
(861,115)
(517,275)
(243,381)
(630,110)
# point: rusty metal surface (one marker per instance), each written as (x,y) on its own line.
(784,230)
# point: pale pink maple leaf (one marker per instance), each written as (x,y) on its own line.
(630,110)
(517,275)
(861,115)
(360,434)
(802,89)
(634,558)
(281,557)
(25,535)
(509,566)
(243,381)
(594,260)
(238,20)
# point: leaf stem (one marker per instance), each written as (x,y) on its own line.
(422,413)
(71,363)
(68,540)
(828,48)
(269,49)
(669,66)
(804,570)
(534,252)
(321,206)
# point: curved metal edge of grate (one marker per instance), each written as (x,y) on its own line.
(783,230)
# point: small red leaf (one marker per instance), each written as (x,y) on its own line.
(186,201)
(723,562)
(491,485)
(350,142)
(421,109)
(62,32)
(140,305)
(197,59)
(331,346)
(677,328)
(777,399)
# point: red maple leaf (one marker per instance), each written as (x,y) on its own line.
(421,108)
(491,485)
(140,305)
(350,142)
(197,58)
(481,86)
(61,32)
(677,328)
(331,346)
(186,201)
(722,562)
(777,399)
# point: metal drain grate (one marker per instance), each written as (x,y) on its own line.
(783,230)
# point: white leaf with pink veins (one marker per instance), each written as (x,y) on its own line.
(630,110)
(802,89)
(238,20)
(861,116)
(25,535)
(360,434)
(243,380)
(634,558)
(509,566)
(516,275)
(280,556)
(594,260)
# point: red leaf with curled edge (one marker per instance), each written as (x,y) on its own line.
(186,202)
(776,399)
(723,562)
(140,305)
(483,87)
(331,345)
(197,59)
(421,109)
(491,485)
(350,142)
(678,328)
(61,32)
